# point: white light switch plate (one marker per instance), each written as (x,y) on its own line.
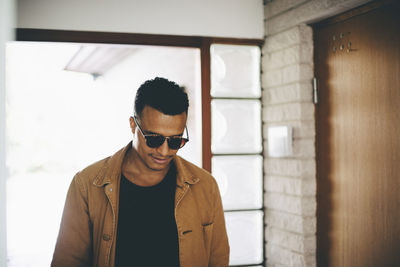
(280,141)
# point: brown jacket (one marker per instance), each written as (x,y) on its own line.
(89,224)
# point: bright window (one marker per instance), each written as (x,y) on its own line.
(60,121)
(236,146)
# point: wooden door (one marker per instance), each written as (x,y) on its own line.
(357,64)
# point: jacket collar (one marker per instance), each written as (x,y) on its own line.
(111,170)
(184,175)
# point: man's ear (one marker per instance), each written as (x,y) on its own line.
(132,124)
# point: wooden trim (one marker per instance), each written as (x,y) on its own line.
(354,12)
(46,35)
(219,40)
(206,103)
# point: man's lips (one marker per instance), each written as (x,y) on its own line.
(160,160)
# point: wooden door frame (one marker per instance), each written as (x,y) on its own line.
(352,13)
(201,42)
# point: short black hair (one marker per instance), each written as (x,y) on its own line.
(161,94)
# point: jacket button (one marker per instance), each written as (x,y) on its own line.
(106,237)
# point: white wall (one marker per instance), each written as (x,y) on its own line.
(220,18)
(6,25)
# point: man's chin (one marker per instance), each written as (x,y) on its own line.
(157,168)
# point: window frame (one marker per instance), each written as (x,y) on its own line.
(201,42)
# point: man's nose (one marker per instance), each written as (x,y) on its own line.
(163,149)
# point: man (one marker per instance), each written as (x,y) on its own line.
(145,206)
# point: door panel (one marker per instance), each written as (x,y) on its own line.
(357,64)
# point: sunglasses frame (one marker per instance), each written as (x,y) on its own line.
(164,137)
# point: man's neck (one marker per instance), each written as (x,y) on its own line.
(137,172)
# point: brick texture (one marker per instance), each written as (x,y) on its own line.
(295,92)
(295,242)
(289,112)
(285,257)
(291,222)
(293,36)
(289,183)
(298,53)
(304,206)
(289,167)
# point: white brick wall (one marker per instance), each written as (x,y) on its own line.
(280,256)
(288,38)
(290,183)
(290,186)
(294,92)
(289,167)
(289,112)
(291,222)
(303,205)
(295,242)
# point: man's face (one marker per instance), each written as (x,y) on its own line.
(153,121)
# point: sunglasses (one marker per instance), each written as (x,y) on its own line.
(156,140)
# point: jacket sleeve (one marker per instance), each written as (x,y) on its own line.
(219,243)
(73,247)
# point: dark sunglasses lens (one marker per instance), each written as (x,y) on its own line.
(175,143)
(154,141)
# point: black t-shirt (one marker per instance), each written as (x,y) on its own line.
(147,235)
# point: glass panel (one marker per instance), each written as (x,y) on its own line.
(240,181)
(245,233)
(235,71)
(236,126)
